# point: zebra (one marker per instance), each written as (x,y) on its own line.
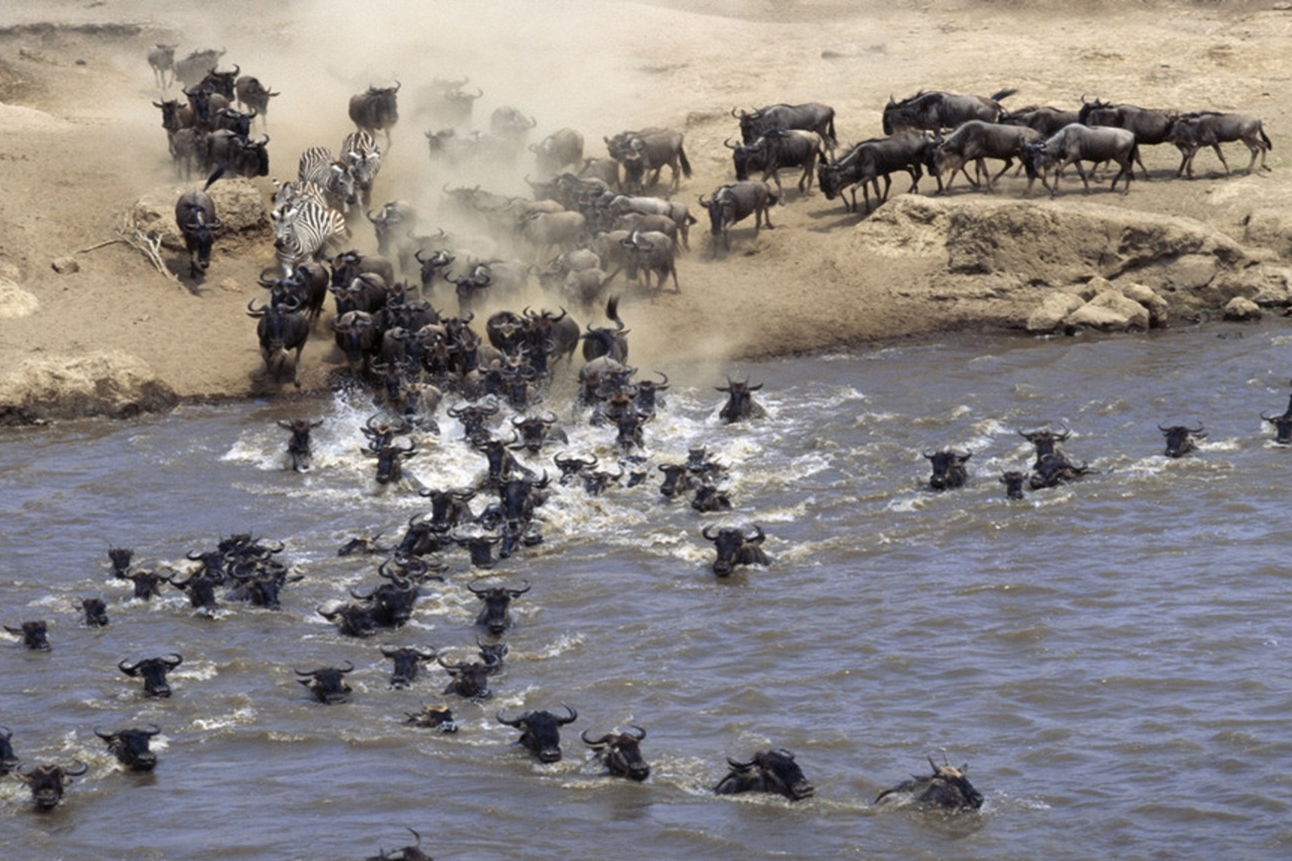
(301,230)
(334,177)
(362,157)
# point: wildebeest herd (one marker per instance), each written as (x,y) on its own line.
(595,214)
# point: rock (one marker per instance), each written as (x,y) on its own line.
(1159,312)
(1269,228)
(66,265)
(15,302)
(1110,311)
(1242,310)
(238,205)
(1054,309)
(111,383)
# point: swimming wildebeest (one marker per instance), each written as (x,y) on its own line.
(327,683)
(47,782)
(947,788)
(130,746)
(33,635)
(948,468)
(298,447)
(734,548)
(541,735)
(620,752)
(768,771)
(153,671)
(1181,440)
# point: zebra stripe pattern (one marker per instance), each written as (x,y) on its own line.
(302,229)
(362,157)
(318,166)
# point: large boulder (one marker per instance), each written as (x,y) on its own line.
(113,383)
(238,205)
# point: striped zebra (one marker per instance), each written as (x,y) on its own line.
(318,166)
(302,230)
(362,157)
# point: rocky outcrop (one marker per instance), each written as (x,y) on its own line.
(113,384)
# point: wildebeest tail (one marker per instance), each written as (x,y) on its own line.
(215,174)
(1264,137)
(833,139)
(612,309)
(1004,94)
(686,165)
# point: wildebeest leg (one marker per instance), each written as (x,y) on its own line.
(1184,161)
(1220,155)
(1135,155)
(1009,162)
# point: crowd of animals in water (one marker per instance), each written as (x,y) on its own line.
(594,214)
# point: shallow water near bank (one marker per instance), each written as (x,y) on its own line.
(1108,657)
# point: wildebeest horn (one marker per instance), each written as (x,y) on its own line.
(571,719)
(128,670)
(513,723)
(451,667)
(705,533)
(77,772)
(759,535)
(515,593)
(594,743)
(172,664)
(641,731)
(729,145)
(105,736)
(739,765)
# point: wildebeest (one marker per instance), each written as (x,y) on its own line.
(946,788)
(1044,119)
(153,671)
(47,782)
(604,341)
(33,635)
(96,612)
(1192,132)
(621,753)
(1149,125)
(280,330)
(948,468)
(161,58)
(730,204)
(740,405)
(650,252)
(298,447)
(327,683)
(734,548)
(1054,469)
(812,117)
(471,680)
(557,151)
(940,110)
(541,734)
(543,231)
(1282,425)
(433,717)
(1013,481)
(7,758)
(1076,143)
(254,95)
(195,217)
(648,151)
(405,853)
(407,662)
(130,746)
(496,613)
(864,164)
(1181,440)
(977,140)
(375,110)
(777,149)
(200,588)
(769,771)
(1045,440)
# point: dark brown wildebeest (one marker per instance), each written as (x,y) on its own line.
(33,635)
(1013,481)
(7,758)
(496,613)
(812,117)
(557,151)
(375,110)
(648,151)
(946,788)
(47,782)
(280,329)
(1192,132)
(948,468)
(777,149)
(975,141)
(940,110)
(768,771)
(1076,143)
(621,753)
(865,163)
(254,95)
(740,405)
(730,204)
(130,746)
(541,735)
(471,680)
(298,447)
(195,217)
(1181,440)
(153,671)
(1282,425)
(407,662)
(327,683)
(734,548)
(96,612)
(1149,125)
(404,853)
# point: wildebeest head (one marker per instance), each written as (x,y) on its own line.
(735,548)
(327,683)
(407,662)
(33,635)
(1282,426)
(768,771)
(153,671)
(431,717)
(496,613)
(535,431)
(96,612)
(47,782)
(542,732)
(709,498)
(1181,440)
(948,468)
(120,558)
(200,588)
(390,461)
(740,403)
(947,787)
(7,758)
(621,753)
(298,447)
(1013,481)
(675,479)
(471,680)
(130,746)
(405,853)
(1045,440)
(147,583)
(352,620)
